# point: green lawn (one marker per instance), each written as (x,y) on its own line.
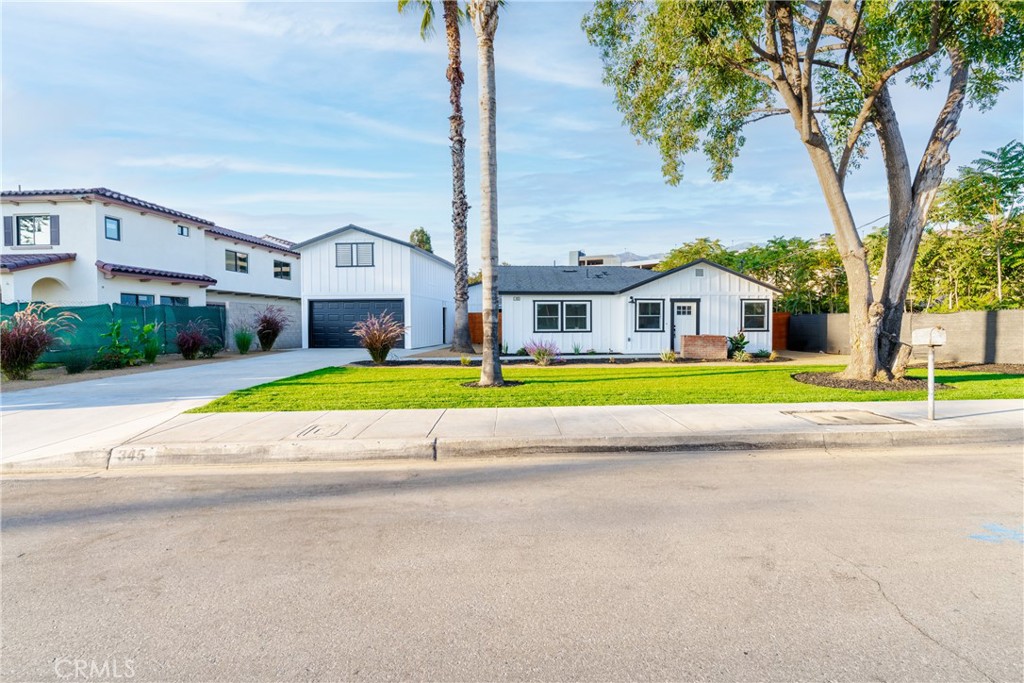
(365,388)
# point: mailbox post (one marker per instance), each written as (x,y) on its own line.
(930,337)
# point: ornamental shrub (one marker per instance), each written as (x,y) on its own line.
(77,362)
(542,352)
(26,335)
(269,324)
(378,335)
(244,337)
(146,341)
(741,357)
(668,355)
(737,343)
(117,353)
(191,338)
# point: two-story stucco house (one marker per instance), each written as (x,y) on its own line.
(351,272)
(98,246)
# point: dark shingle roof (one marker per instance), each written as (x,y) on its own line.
(152,273)
(12,262)
(590,279)
(104,193)
(250,239)
(569,279)
(338,231)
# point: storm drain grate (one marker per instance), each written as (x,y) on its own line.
(845,417)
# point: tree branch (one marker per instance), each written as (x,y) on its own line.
(869,101)
(853,35)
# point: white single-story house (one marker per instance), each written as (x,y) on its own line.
(352,272)
(615,309)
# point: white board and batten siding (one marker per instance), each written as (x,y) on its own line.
(720,295)
(424,283)
(720,311)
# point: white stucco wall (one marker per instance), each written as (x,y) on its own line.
(260,278)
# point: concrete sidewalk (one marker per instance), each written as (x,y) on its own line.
(234,438)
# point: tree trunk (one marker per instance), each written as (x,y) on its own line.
(909,206)
(484,14)
(461,342)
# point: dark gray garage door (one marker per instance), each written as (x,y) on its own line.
(331,321)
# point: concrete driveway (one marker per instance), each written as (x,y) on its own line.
(103,413)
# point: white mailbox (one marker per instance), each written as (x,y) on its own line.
(929,336)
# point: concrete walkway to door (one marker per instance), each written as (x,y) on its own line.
(102,413)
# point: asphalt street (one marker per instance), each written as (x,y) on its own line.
(795,565)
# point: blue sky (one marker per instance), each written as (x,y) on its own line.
(297,118)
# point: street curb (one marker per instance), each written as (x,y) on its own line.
(444,448)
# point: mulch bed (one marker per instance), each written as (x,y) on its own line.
(995,368)
(833,381)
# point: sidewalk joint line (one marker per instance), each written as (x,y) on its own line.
(692,431)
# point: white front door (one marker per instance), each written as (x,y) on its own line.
(684,318)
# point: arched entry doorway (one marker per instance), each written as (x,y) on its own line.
(51,290)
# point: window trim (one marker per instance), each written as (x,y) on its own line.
(106,228)
(47,232)
(558,317)
(288,275)
(743,315)
(661,315)
(354,255)
(561,329)
(590,319)
(236,269)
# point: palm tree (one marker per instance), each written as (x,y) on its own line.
(460,208)
(484,15)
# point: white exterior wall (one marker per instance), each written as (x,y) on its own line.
(476,298)
(605,323)
(78,280)
(720,294)
(432,301)
(388,278)
(612,317)
(260,278)
(148,241)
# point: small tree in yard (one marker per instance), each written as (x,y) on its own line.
(693,75)
(269,324)
(378,335)
(26,336)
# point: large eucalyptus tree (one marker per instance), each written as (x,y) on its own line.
(460,207)
(693,75)
(484,16)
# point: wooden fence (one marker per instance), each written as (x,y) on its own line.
(476,328)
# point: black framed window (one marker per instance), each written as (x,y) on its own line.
(282,270)
(354,254)
(649,315)
(142,300)
(112,228)
(33,230)
(236,261)
(755,315)
(183,230)
(174,301)
(576,316)
(547,316)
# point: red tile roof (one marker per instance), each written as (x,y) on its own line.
(153,274)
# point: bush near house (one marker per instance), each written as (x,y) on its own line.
(26,335)
(191,339)
(269,324)
(378,335)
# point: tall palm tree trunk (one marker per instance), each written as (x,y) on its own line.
(484,14)
(461,341)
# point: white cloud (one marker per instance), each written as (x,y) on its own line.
(206,163)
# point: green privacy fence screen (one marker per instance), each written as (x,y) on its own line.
(86,334)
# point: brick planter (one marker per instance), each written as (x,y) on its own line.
(704,346)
